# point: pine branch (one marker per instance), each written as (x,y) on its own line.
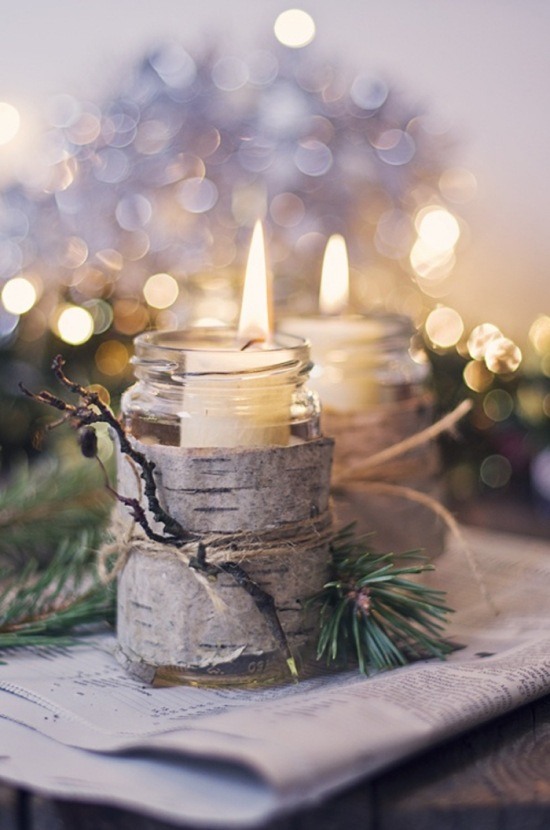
(47,606)
(43,505)
(372,614)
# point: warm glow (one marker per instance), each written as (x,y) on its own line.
(161,291)
(437,228)
(254,322)
(9,122)
(432,255)
(334,291)
(480,338)
(294,28)
(75,325)
(477,376)
(503,356)
(430,263)
(18,295)
(111,358)
(444,327)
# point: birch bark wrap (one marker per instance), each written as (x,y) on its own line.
(170,626)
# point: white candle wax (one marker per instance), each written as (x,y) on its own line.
(235,398)
(349,363)
(348,351)
(241,398)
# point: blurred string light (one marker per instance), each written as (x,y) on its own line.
(18,295)
(432,256)
(74,324)
(161,291)
(492,354)
(112,358)
(444,327)
(154,190)
(294,28)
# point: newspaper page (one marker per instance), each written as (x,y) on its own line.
(237,757)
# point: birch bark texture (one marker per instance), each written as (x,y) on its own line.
(267,508)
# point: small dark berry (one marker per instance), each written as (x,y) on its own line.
(87,439)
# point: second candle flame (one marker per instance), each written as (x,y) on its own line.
(255,318)
(334,291)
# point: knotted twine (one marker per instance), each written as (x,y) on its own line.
(302,537)
(380,472)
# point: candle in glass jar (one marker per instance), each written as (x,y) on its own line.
(224,387)
(223,407)
(373,394)
(360,361)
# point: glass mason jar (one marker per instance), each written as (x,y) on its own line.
(374,383)
(196,388)
(240,463)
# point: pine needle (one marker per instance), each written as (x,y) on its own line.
(48,606)
(372,614)
(43,505)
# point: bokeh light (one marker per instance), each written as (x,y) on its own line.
(531,403)
(480,338)
(437,228)
(112,358)
(102,314)
(130,317)
(495,471)
(477,376)
(539,334)
(444,327)
(432,256)
(502,356)
(161,291)
(18,295)
(498,405)
(74,325)
(294,28)
(10,122)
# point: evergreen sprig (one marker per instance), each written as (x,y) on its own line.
(48,503)
(46,606)
(373,614)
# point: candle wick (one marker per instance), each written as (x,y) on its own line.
(252,343)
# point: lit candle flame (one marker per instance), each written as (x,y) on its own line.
(334,291)
(254,322)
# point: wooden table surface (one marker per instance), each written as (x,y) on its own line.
(496,777)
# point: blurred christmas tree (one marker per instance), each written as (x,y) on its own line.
(137,213)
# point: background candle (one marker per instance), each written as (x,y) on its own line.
(359,360)
(374,392)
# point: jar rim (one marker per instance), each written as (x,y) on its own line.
(203,350)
